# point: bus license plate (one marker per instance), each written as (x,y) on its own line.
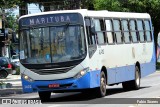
(53,85)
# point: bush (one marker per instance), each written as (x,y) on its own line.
(158,65)
(17,71)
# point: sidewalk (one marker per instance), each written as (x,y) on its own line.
(13,85)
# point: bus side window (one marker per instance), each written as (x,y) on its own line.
(90,36)
(99,28)
(132,28)
(109,33)
(125,30)
(117,31)
(147,30)
(140,30)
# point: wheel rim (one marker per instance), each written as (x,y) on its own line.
(103,84)
(137,77)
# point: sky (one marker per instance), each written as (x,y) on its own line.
(32,8)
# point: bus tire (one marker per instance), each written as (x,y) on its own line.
(134,84)
(101,91)
(44,96)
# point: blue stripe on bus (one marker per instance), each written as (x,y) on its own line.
(120,74)
(91,79)
(127,73)
(147,68)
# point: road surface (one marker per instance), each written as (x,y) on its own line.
(150,88)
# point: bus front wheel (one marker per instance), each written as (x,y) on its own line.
(44,96)
(101,91)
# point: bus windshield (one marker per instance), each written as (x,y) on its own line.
(52,44)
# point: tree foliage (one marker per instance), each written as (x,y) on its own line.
(111,5)
(11,21)
(8,17)
(5,4)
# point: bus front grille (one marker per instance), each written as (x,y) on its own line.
(52,71)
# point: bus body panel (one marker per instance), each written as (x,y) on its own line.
(121,67)
(118,59)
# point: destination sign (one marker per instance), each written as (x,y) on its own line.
(51,18)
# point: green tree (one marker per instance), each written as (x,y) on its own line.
(5,4)
(8,17)
(11,21)
(110,5)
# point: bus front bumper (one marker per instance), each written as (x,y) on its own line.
(89,80)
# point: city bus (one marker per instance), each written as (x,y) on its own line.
(79,50)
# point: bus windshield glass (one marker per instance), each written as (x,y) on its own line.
(52,44)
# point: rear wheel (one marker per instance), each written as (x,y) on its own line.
(44,96)
(134,84)
(101,91)
(3,74)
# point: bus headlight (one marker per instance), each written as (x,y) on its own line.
(27,78)
(82,73)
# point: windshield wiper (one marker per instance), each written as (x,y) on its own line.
(75,57)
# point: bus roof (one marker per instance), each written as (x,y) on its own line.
(94,13)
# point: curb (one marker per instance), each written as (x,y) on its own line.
(10,91)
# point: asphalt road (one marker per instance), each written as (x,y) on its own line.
(115,97)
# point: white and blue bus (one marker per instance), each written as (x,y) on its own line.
(76,50)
